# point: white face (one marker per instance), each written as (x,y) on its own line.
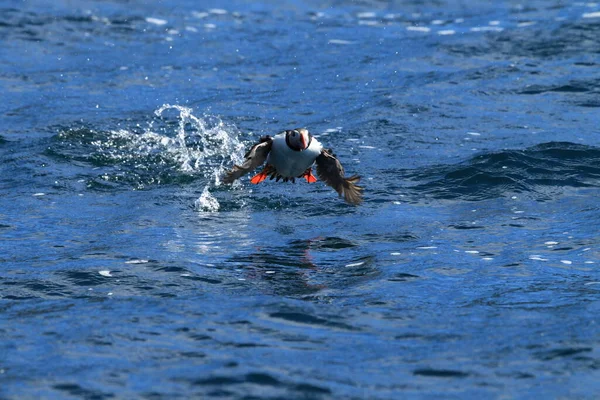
(298,139)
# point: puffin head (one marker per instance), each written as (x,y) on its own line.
(298,139)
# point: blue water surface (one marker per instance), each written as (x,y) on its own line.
(128,270)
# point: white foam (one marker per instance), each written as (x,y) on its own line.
(368,14)
(156,21)
(567,262)
(471,252)
(426,247)
(340,41)
(105,272)
(446,32)
(39,194)
(526,23)
(595,14)
(355,264)
(474,133)
(487,29)
(537,258)
(423,29)
(395,253)
(217,11)
(140,261)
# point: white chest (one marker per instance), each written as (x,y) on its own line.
(290,163)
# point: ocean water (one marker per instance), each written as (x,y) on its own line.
(129,271)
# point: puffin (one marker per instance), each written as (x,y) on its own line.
(291,154)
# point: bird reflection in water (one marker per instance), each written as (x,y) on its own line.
(291,270)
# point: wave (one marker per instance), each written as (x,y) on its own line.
(541,172)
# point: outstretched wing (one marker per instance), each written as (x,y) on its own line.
(331,172)
(253,158)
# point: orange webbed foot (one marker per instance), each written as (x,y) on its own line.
(310,178)
(258,178)
(261,176)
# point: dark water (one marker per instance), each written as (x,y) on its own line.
(129,271)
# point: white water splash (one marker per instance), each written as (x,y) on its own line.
(207,202)
(213,142)
(214,150)
(175,147)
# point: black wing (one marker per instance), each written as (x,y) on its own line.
(331,172)
(253,159)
